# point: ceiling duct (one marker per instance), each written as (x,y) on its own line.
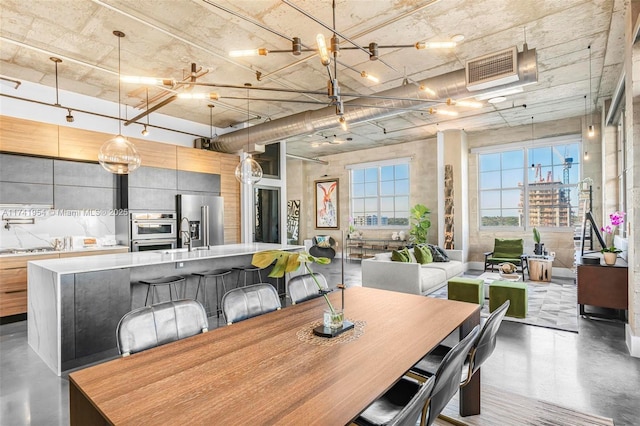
(492,70)
(451,85)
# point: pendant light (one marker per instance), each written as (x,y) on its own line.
(118,155)
(248,171)
(145,131)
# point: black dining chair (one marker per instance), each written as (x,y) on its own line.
(303,287)
(410,400)
(247,302)
(479,353)
(155,325)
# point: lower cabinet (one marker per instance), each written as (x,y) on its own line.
(13,283)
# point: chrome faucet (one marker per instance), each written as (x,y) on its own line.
(186,234)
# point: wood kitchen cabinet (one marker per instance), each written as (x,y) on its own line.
(198,160)
(28,137)
(13,282)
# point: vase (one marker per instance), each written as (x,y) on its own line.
(610,258)
(333,319)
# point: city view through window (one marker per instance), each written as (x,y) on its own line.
(532,187)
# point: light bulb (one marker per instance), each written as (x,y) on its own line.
(343,123)
(443,112)
(145,132)
(187,95)
(586,155)
(435,45)
(591,131)
(369,77)
(322,50)
(145,80)
(428,90)
(468,104)
(249,52)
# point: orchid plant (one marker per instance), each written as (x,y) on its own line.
(289,261)
(616,219)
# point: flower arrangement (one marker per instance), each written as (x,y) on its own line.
(616,219)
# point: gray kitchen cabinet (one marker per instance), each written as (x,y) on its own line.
(191,182)
(100,299)
(79,186)
(153,177)
(151,199)
(26,180)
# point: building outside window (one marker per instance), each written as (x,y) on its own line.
(380,194)
(530,186)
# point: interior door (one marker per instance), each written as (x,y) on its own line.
(267,215)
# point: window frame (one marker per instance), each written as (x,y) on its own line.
(525,148)
(379,164)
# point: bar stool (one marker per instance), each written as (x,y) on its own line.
(154,283)
(202,281)
(247,269)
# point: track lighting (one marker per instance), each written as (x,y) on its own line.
(443,112)
(428,90)
(69,117)
(435,45)
(343,123)
(211,96)
(249,52)
(147,80)
(145,132)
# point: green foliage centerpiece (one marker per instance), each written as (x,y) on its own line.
(420,223)
(289,261)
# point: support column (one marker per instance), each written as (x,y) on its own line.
(632,132)
(453,190)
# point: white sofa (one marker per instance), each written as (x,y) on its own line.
(381,272)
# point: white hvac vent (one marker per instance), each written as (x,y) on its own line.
(492,70)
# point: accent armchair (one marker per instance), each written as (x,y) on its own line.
(506,250)
(323,246)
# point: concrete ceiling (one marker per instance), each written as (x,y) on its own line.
(164,37)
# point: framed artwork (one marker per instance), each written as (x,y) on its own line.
(327,210)
(293,221)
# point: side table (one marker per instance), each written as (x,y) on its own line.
(540,268)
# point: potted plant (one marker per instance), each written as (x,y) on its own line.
(420,223)
(289,261)
(539,247)
(610,252)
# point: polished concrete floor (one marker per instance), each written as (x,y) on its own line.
(590,371)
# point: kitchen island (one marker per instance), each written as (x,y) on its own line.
(74,305)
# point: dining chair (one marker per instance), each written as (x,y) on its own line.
(155,325)
(246,302)
(303,287)
(479,353)
(410,400)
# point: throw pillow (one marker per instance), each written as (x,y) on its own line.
(439,255)
(423,254)
(401,255)
(323,241)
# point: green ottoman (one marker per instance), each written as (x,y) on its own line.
(516,292)
(466,290)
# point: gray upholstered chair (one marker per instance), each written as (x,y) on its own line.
(246,302)
(155,325)
(410,400)
(480,351)
(303,287)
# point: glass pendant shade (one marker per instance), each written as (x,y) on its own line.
(119,156)
(248,171)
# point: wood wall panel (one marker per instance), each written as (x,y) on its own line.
(228,181)
(156,154)
(231,235)
(231,216)
(28,137)
(79,144)
(198,160)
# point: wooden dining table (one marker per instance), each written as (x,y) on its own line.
(271,369)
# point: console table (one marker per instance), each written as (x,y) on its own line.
(603,286)
(363,248)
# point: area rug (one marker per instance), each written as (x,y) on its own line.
(504,408)
(550,305)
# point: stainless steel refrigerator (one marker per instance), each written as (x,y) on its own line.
(201,218)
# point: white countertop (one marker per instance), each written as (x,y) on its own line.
(75,250)
(132,260)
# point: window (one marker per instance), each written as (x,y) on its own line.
(380,193)
(537,186)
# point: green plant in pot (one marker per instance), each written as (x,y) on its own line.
(289,261)
(420,224)
(539,247)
